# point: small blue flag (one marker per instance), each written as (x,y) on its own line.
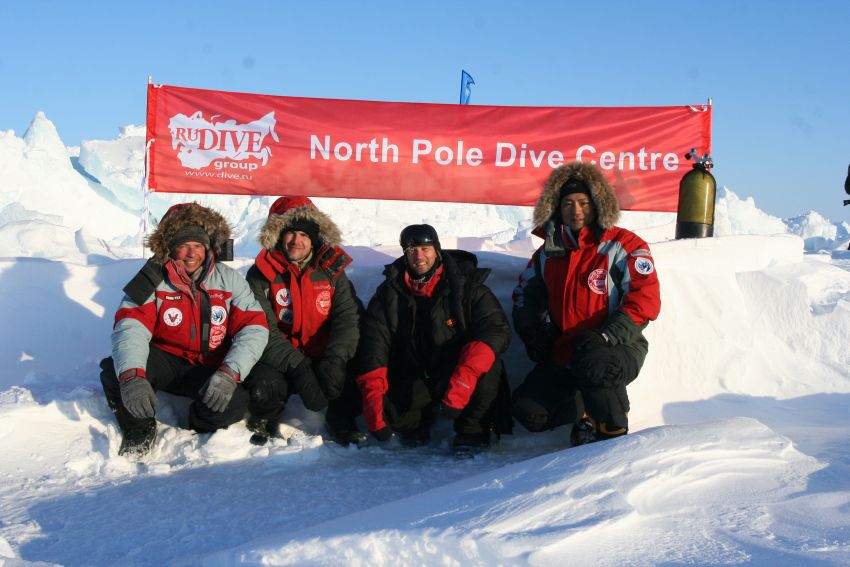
(465,86)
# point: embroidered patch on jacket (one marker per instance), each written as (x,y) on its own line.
(172,316)
(641,252)
(282,297)
(217,334)
(323,302)
(644,266)
(596,281)
(218,315)
(286,315)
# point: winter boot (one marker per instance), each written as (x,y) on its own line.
(346,434)
(416,438)
(263,428)
(584,432)
(605,431)
(467,445)
(137,441)
(422,434)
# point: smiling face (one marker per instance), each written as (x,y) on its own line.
(421,258)
(577,210)
(296,245)
(190,254)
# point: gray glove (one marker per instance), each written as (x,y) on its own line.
(217,391)
(138,397)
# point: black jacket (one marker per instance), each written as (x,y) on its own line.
(462,310)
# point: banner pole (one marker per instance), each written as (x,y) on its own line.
(145,193)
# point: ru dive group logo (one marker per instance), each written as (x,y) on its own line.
(201,142)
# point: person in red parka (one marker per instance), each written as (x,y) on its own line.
(580,308)
(313,313)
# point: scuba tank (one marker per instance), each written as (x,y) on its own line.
(697,189)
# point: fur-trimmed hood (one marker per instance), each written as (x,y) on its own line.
(286,210)
(601,193)
(178,216)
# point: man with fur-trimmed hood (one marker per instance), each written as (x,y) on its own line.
(299,279)
(580,308)
(187,325)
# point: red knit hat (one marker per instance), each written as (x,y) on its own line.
(284,204)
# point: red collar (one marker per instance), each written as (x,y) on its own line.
(587,236)
(423,288)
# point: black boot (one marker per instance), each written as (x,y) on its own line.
(137,441)
(584,432)
(341,417)
(345,434)
(421,434)
(467,445)
(263,429)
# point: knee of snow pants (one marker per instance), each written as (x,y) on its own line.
(267,391)
(546,399)
(203,420)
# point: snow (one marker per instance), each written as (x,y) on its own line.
(738,450)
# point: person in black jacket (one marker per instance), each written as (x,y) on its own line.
(430,343)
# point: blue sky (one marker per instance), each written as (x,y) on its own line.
(778,72)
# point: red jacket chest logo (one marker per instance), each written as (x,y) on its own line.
(596,281)
(283,297)
(323,302)
(172,317)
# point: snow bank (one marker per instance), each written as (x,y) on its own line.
(647,499)
(743,314)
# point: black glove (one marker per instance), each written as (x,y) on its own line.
(594,369)
(217,391)
(138,397)
(448,412)
(303,381)
(331,374)
(384,434)
(539,343)
(302,376)
(590,339)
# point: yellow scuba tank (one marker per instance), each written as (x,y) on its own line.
(697,190)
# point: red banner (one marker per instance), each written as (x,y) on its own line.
(236,143)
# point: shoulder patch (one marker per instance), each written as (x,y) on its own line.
(644,266)
(641,252)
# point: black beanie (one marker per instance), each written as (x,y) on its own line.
(417,235)
(573,185)
(189,233)
(308,227)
